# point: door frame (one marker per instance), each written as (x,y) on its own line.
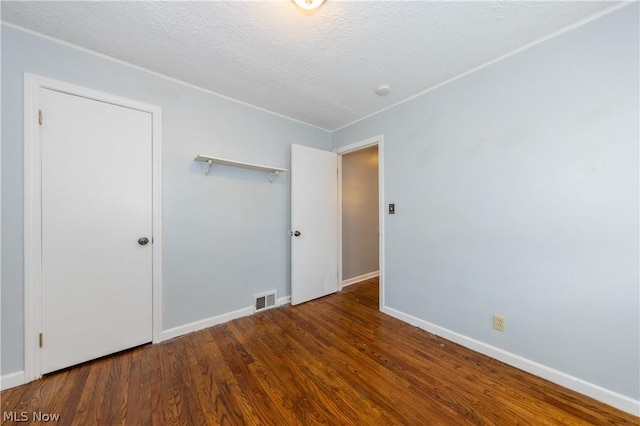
(357,146)
(33,84)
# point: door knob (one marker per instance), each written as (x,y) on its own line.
(143,241)
(296,234)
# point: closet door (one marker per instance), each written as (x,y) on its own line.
(96,229)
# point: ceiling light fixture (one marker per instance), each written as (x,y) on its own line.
(309,4)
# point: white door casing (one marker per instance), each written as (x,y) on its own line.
(314,214)
(90,192)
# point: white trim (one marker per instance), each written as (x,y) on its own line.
(155,73)
(286,300)
(339,214)
(205,323)
(372,141)
(360,278)
(554,34)
(32,230)
(33,209)
(157,227)
(356,146)
(215,320)
(599,393)
(12,380)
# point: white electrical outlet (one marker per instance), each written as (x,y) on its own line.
(499,322)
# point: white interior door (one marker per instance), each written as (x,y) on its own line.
(96,205)
(314,222)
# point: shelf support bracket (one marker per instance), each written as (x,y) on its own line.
(206,167)
(273,175)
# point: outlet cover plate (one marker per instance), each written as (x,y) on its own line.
(499,322)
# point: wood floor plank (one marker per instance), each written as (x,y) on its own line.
(66,401)
(187,385)
(236,402)
(171,362)
(380,345)
(256,379)
(89,407)
(207,393)
(304,369)
(114,402)
(164,409)
(477,386)
(14,400)
(390,391)
(139,390)
(336,376)
(334,360)
(507,390)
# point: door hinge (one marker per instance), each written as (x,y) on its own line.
(40,117)
(41,339)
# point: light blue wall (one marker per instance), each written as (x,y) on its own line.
(516,191)
(224,234)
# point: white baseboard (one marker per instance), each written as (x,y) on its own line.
(204,323)
(359,278)
(283,301)
(210,322)
(12,380)
(599,393)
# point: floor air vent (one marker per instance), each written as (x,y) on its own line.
(264,301)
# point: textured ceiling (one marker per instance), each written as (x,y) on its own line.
(321,68)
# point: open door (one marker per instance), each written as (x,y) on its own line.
(314,223)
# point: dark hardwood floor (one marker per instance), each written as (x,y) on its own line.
(336,360)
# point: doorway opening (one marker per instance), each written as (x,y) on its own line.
(361,219)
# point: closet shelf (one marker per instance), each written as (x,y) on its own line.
(208,161)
